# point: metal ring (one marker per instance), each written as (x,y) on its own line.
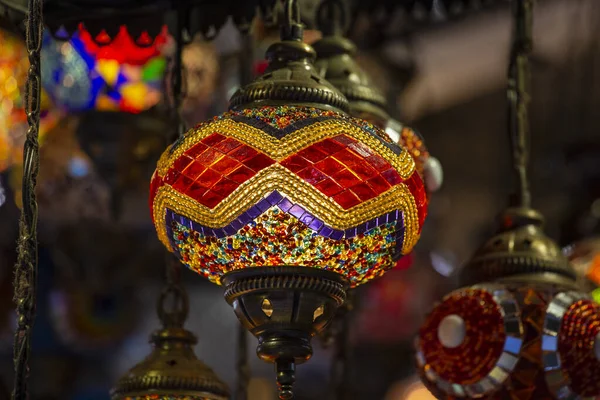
(557,377)
(506,362)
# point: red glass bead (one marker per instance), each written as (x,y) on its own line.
(194,170)
(209,156)
(364,171)
(228,145)
(378,184)
(243,153)
(379,163)
(213,139)
(329,166)
(392,176)
(224,187)
(313,153)
(241,174)
(182,162)
(348,158)
(363,191)
(197,149)
(346,199)
(182,183)
(328,187)
(361,149)
(295,163)
(209,178)
(312,175)
(346,179)
(196,191)
(344,140)
(225,165)
(172,176)
(210,199)
(258,162)
(330,146)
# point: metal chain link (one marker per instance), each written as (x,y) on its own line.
(176,314)
(26,268)
(340,364)
(519,82)
(177,77)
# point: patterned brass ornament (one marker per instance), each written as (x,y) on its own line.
(171,371)
(520,252)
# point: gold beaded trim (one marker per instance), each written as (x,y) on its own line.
(277,177)
(278,149)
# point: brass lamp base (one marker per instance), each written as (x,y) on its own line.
(284,307)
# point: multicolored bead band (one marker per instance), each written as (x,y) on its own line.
(283,234)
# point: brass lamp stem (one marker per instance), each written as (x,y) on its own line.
(519,82)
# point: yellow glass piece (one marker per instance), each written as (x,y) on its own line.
(135,94)
(108,70)
(318,312)
(267,307)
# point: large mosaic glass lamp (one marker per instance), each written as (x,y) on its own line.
(287,201)
(336,62)
(520,328)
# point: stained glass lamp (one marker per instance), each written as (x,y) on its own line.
(287,201)
(520,328)
(119,76)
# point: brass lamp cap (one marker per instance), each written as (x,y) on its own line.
(290,79)
(336,63)
(171,370)
(519,252)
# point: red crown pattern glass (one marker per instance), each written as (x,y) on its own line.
(286,185)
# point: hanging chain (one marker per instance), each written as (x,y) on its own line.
(292,28)
(25,280)
(174,315)
(519,81)
(332,18)
(177,78)
(340,365)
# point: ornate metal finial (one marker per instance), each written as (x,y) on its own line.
(25,281)
(172,369)
(520,251)
(337,64)
(290,78)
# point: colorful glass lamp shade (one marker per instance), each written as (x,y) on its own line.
(287,201)
(120,76)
